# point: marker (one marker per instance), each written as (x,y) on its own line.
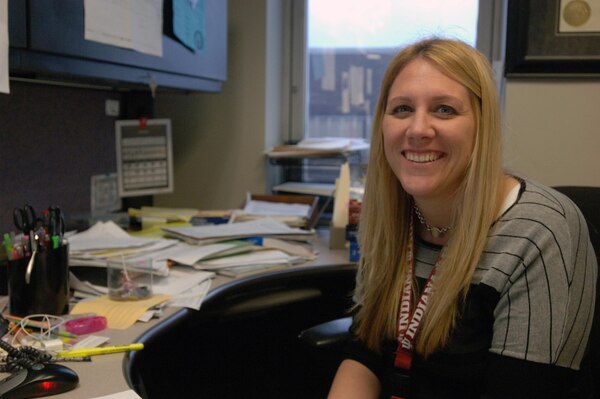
(8,245)
(55,241)
(84,352)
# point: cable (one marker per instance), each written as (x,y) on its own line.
(25,357)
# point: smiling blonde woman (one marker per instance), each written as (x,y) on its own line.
(473,283)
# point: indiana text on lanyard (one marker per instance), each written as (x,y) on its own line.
(408,324)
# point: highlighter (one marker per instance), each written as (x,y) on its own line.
(86,325)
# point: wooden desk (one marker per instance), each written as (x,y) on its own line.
(109,374)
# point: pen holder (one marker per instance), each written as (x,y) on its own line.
(48,289)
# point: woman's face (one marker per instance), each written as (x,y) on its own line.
(428,131)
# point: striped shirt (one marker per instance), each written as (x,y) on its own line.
(531,300)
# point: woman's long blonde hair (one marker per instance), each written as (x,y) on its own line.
(383,231)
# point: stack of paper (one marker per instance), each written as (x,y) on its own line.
(333,143)
(264,227)
(152,216)
(183,270)
(251,262)
(106,240)
(293,210)
(264,253)
(237,249)
(318,147)
(184,286)
(321,189)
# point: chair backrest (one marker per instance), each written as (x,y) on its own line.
(587,200)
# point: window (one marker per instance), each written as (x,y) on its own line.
(340,49)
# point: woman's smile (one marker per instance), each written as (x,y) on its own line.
(422,157)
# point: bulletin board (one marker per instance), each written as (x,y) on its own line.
(144,157)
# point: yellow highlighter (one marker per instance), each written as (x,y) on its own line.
(84,352)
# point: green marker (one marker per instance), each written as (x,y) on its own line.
(8,245)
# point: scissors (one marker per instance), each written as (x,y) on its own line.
(25,219)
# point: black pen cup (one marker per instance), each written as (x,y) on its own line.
(47,291)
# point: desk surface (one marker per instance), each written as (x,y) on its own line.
(106,374)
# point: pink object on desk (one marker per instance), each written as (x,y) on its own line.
(86,325)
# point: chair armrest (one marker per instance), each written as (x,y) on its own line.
(332,334)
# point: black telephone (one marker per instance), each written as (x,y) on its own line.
(32,374)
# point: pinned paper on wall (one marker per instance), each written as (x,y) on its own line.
(105,194)
(144,157)
(188,23)
(132,24)
(4,86)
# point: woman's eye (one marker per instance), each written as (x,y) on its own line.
(401,109)
(446,110)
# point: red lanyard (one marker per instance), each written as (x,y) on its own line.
(408,324)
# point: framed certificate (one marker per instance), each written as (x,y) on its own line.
(553,38)
(144,157)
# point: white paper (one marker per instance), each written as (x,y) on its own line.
(333,143)
(105,235)
(186,254)
(90,341)
(193,297)
(267,208)
(132,24)
(4,87)
(106,240)
(266,257)
(322,189)
(259,227)
(180,279)
(130,394)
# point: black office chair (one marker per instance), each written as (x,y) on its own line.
(588,201)
(331,336)
(243,341)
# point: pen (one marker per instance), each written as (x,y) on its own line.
(71,359)
(84,352)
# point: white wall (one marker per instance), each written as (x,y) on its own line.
(219,139)
(553,130)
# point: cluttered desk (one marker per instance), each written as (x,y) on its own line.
(131,314)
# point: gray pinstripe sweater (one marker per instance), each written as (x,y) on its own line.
(524,328)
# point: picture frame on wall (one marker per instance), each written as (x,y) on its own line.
(553,38)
